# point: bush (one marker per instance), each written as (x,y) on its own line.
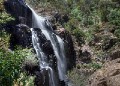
(80,35)
(114,17)
(76,13)
(77,77)
(10,67)
(4,39)
(117,33)
(5,18)
(89,35)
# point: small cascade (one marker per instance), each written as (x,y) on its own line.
(57,45)
(42,58)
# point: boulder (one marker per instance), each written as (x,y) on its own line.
(20,35)
(41,78)
(109,75)
(85,56)
(114,54)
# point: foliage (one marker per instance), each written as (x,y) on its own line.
(77,78)
(10,66)
(114,17)
(92,65)
(76,13)
(11,63)
(89,34)
(5,18)
(80,35)
(4,39)
(117,33)
(25,80)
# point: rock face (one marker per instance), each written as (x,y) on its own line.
(109,75)
(69,48)
(19,10)
(20,35)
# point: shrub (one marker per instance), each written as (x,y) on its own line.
(4,39)
(114,17)
(10,66)
(5,18)
(117,33)
(80,35)
(89,35)
(76,13)
(92,65)
(77,78)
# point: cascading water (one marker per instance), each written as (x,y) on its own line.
(57,44)
(41,56)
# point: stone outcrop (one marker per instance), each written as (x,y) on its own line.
(109,75)
(19,10)
(20,35)
(115,54)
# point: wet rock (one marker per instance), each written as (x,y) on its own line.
(20,35)
(38,79)
(41,36)
(41,78)
(44,43)
(106,76)
(47,47)
(18,9)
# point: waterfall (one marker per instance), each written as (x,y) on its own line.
(57,45)
(41,56)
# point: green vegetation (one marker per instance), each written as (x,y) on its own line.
(10,66)
(4,40)
(4,17)
(77,78)
(11,63)
(92,65)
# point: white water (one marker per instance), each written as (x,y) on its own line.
(41,56)
(57,44)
